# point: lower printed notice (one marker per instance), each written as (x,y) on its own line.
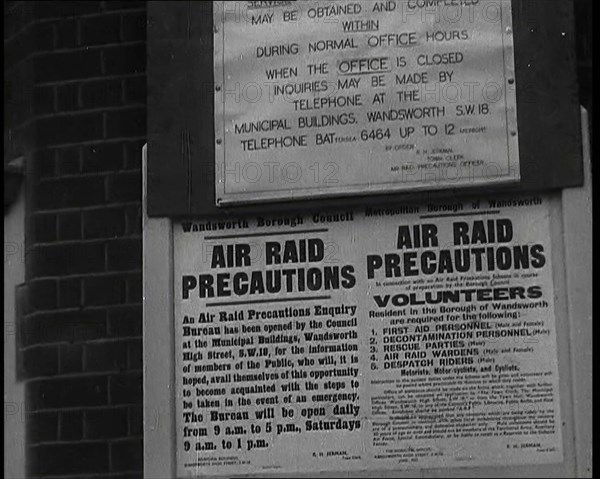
(391,338)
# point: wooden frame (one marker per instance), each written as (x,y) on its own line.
(181,140)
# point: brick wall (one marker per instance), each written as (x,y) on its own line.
(77,90)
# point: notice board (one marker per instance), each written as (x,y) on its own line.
(308,344)
(362,97)
(182,146)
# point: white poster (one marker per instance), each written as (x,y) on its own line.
(318,99)
(389,338)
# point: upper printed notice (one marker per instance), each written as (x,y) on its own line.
(321,99)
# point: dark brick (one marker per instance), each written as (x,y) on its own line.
(135,354)
(43,35)
(57,393)
(40,361)
(124,254)
(18,48)
(125,5)
(134,288)
(22,304)
(72,458)
(69,161)
(71,358)
(135,90)
(133,155)
(71,426)
(43,100)
(45,170)
(104,223)
(103,157)
(69,192)
(44,227)
(16,92)
(133,215)
(71,65)
(126,455)
(43,294)
(17,16)
(71,326)
(128,475)
(131,122)
(69,226)
(100,30)
(63,259)
(70,129)
(101,93)
(136,421)
(125,187)
(44,164)
(106,423)
(133,26)
(125,59)
(16,95)
(68,97)
(66,34)
(57,9)
(69,293)
(104,290)
(16,143)
(126,388)
(107,356)
(125,321)
(41,427)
